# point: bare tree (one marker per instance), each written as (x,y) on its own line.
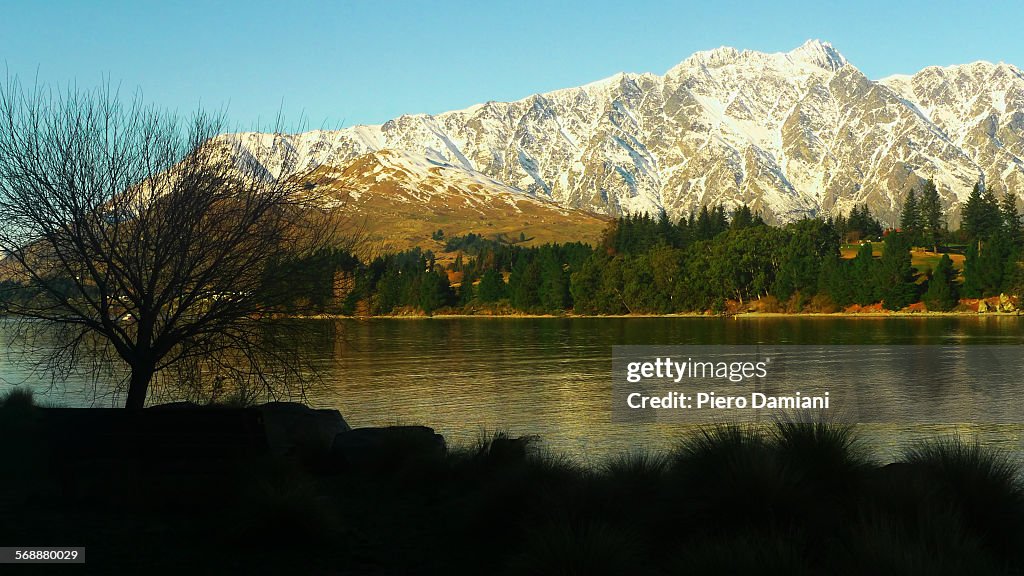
(135,236)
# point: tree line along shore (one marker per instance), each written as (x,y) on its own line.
(712,262)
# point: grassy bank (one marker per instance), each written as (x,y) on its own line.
(793,498)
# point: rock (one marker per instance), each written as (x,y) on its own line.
(1005,304)
(982,306)
(510,449)
(387,446)
(294,428)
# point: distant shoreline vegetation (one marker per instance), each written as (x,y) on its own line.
(711,262)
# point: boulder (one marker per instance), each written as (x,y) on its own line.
(1006,304)
(386,447)
(982,306)
(297,429)
(503,449)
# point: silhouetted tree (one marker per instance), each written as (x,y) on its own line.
(149,240)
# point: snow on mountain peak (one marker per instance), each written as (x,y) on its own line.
(788,133)
(714,58)
(818,53)
(814,53)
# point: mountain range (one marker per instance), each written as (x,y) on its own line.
(790,134)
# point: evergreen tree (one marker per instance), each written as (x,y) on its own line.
(910,217)
(554,287)
(834,280)
(638,288)
(985,268)
(434,291)
(466,293)
(705,228)
(684,231)
(973,214)
(585,283)
(1011,219)
(981,219)
(1013,275)
(941,293)
(895,273)
(973,284)
(860,224)
(992,217)
(863,281)
(742,218)
(932,223)
(666,232)
(524,283)
(491,287)
(719,221)
(808,244)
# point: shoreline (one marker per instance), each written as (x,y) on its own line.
(740,315)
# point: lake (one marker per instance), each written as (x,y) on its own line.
(551,376)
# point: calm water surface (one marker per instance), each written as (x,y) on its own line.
(551,377)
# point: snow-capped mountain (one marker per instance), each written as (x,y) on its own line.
(796,133)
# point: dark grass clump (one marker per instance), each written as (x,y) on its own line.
(827,452)
(981,485)
(635,467)
(826,464)
(728,477)
(503,490)
(23,466)
(20,399)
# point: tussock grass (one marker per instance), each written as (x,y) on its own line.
(636,466)
(17,399)
(982,485)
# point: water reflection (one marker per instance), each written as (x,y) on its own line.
(551,376)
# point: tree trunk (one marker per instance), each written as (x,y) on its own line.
(138,387)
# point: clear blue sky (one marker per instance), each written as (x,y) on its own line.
(353,62)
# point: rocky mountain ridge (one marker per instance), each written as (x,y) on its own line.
(791,134)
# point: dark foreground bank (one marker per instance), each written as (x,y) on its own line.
(282,489)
